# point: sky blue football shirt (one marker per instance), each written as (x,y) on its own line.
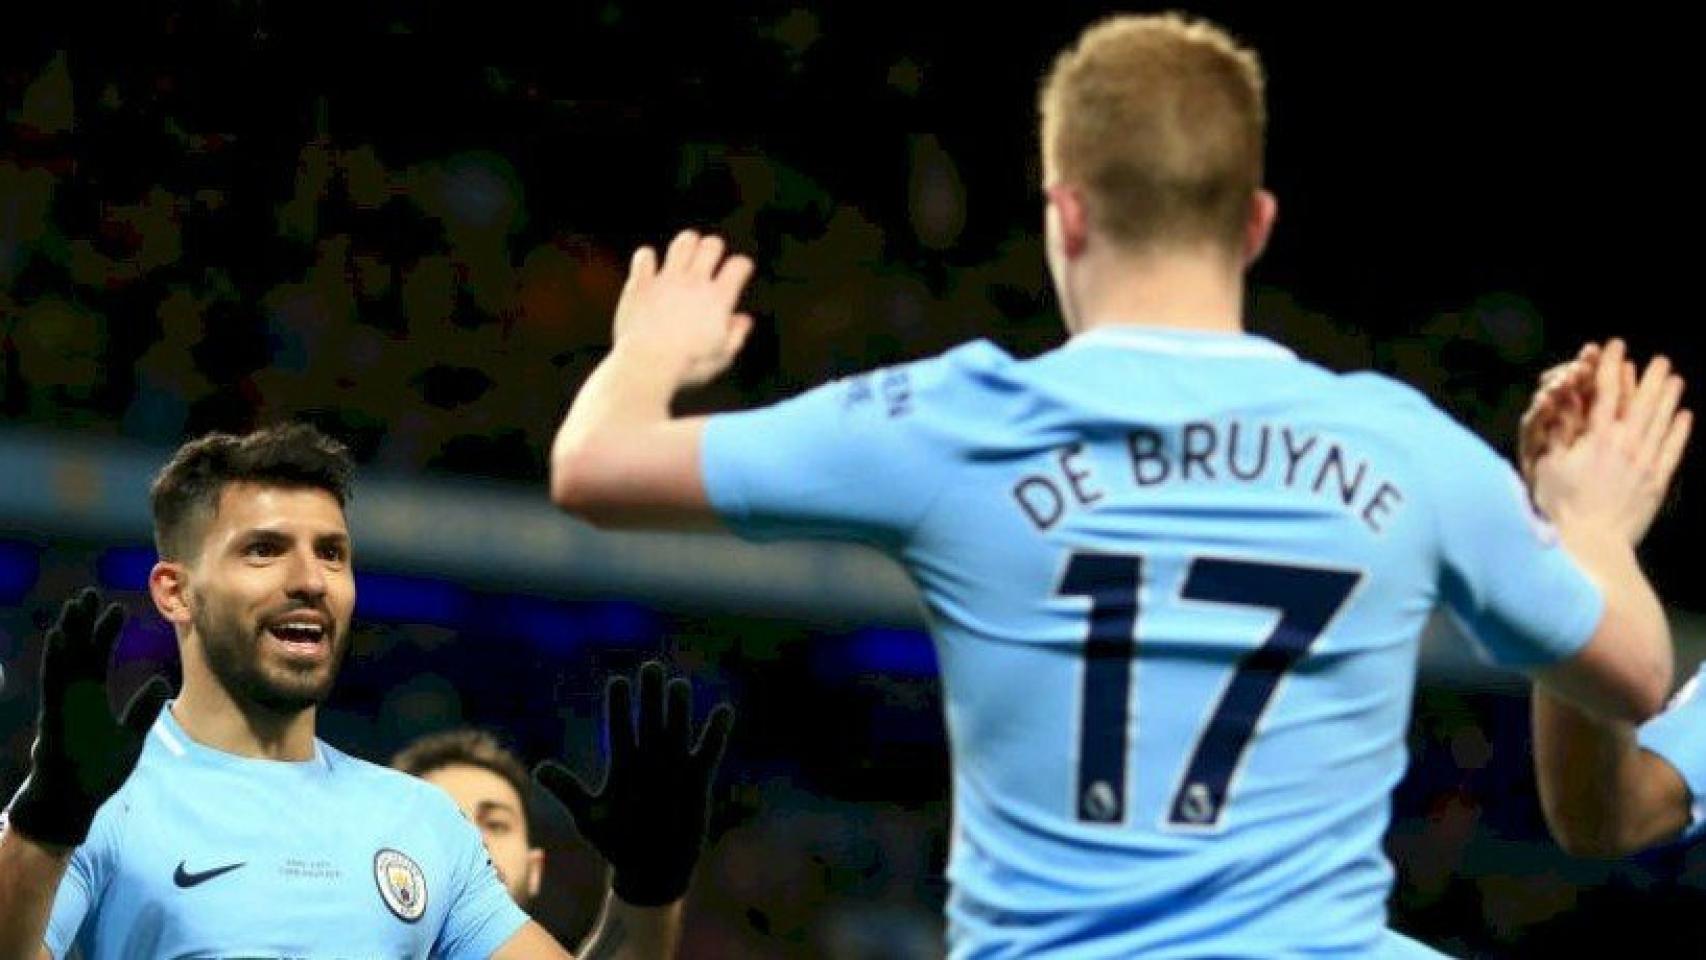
(1176,583)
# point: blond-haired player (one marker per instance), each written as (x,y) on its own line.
(1175,575)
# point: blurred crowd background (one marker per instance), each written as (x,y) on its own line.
(408,222)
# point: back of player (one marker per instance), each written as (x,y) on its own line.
(1176,581)
(1176,576)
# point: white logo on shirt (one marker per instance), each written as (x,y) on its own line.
(402,885)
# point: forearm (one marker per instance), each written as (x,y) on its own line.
(633,386)
(620,459)
(1633,616)
(627,932)
(1601,793)
(30,873)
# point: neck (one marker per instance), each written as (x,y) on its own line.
(1182,290)
(212,717)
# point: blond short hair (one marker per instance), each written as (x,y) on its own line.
(1160,120)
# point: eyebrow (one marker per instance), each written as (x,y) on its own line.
(264,533)
(488,806)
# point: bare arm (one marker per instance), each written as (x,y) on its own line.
(1602,794)
(1624,671)
(619,457)
(1603,489)
(29,879)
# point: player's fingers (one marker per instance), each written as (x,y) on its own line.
(678,720)
(651,703)
(740,327)
(680,254)
(1608,380)
(708,752)
(733,277)
(1643,405)
(561,782)
(77,621)
(54,678)
(1628,384)
(145,705)
(1676,441)
(619,720)
(77,615)
(1659,423)
(706,256)
(1559,374)
(105,635)
(643,266)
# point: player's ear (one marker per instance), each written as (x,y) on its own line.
(535,871)
(1259,226)
(1071,218)
(169,587)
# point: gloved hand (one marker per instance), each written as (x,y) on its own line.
(649,816)
(81,754)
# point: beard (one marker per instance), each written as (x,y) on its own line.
(235,655)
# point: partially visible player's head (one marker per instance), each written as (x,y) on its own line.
(255,564)
(490,785)
(1152,140)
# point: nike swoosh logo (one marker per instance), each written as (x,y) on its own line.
(186,880)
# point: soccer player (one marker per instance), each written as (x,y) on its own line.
(1175,575)
(1609,788)
(489,784)
(228,828)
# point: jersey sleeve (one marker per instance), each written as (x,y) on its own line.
(1521,598)
(80,889)
(1678,736)
(481,917)
(860,459)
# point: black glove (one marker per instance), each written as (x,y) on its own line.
(648,818)
(81,755)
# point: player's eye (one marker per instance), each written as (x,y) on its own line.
(496,826)
(334,553)
(262,548)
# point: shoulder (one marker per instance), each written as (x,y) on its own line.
(420,809)
(968,366)
(1435,435)
(370,781)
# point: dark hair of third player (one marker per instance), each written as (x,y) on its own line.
(467,748)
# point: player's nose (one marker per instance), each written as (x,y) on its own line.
(306,578)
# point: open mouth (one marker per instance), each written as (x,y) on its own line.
(304,637)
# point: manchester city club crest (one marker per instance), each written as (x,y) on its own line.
(402,885)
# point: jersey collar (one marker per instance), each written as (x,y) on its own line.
(170,737)
(1192,343)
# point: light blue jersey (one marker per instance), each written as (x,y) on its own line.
(206,854)
(1176,583)
(1679,736)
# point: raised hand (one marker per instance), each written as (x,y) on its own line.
(648,817)
(1617,470)
(81,755)
(682,312)
(1558,412)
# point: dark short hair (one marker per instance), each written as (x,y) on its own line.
(287,455)
(467,747)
